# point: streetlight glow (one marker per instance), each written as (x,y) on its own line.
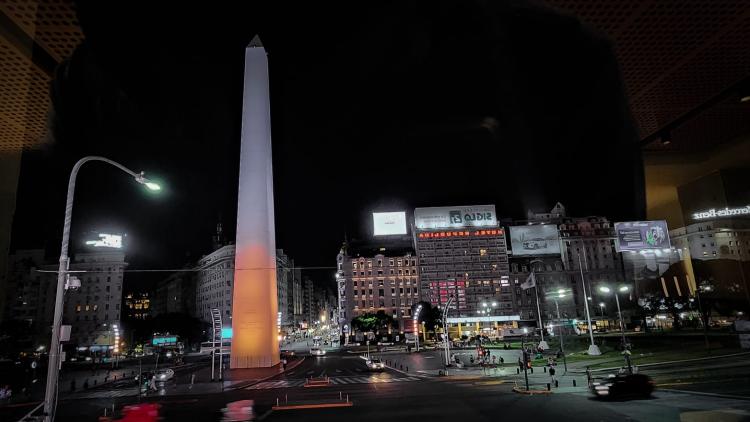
(624,289)
(604,289)
(152,186)
(561,291)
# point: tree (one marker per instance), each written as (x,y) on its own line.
(373,322)
(655,303)
(431,316)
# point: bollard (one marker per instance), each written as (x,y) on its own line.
(286,398)
(407,369)
(277,401)
(518,371)
(574,383)
(557,383)
(401,366)
(549,387)
(347,398)
(341,396)
(545,369)
(532,369)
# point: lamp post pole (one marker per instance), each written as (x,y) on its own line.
(562,345)
(593,348)
(53,367)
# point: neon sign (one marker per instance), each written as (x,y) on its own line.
(725,212)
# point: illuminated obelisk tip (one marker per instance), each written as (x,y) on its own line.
(254,300)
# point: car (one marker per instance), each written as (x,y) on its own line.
(624,385)
(375,364)
(317,351)
(287,353)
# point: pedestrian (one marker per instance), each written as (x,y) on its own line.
(552,374)
(502,361)
(589,377)
(283,363)
(192,381)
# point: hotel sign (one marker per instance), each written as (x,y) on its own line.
(723,212)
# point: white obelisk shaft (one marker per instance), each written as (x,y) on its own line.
(254,298)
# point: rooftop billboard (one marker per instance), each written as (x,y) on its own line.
(641,235)
(539,239)
(455,217)
(389,223)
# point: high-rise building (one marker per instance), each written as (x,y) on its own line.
(308,301)
(462,254)
(214,282)
(284,281)
(297,302)
(94,308)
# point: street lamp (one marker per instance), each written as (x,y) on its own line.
(621,289)
(415,322)
(601,307)
(53,367)
(561,293)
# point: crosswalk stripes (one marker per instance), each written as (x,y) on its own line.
(266,385)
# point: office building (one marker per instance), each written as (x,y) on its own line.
(137,306)
(214,282)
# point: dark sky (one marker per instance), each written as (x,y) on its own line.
(383,106)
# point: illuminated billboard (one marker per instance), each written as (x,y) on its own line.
(455,217)
(106,241)
(641,235)
(539,239)
(389,223)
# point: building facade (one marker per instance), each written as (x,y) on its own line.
(587,253)
(214,283)
(94,309)
(28,304)
(137,306)
(372,282)
(462,254)
(175,294)
(284,284)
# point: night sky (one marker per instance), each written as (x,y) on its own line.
(373,107)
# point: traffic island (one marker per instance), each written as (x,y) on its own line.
(317,382)
(341,401)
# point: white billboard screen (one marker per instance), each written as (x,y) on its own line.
(106,241)
(541,239)
(455,217)
(389,223)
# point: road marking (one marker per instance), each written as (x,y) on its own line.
(267,385)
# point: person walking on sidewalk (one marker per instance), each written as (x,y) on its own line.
(192,381)
(283,364)
(589,377)
(552,374)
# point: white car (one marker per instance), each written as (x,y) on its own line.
(317,352)
(375,365)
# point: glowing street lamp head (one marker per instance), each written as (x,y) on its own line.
(604,289)
(624,289)
(150,185)
(561,292)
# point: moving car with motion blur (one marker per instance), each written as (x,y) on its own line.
(375,364)
(624,386)
(316,351)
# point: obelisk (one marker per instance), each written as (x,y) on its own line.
(254,301)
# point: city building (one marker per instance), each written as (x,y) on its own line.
(575,247)
(137,306)
(26,298)
(214,282)
(175,294)
(371,278)
(462,255)
(93,309)
(309,312)
(284,284)
(297,302)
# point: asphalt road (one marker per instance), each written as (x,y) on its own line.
(397,396)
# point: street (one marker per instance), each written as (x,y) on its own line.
(399,395)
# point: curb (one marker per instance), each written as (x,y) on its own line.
(531,392)
(701,393)
(649,365)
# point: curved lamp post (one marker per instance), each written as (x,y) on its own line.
(621,289)
(53,367)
